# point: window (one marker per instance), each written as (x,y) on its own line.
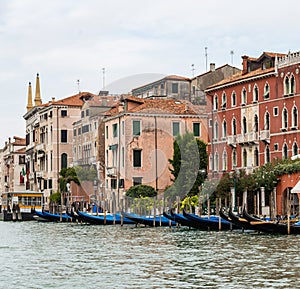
(267,155)
(256,123)
(244,125)
(106,132)
(234,126)
(64,136)
(113,183)
(284,118)
(175,128)
(87,112)
(137,181)
(196,129)
(285,151)
(286,86)
(234,158)
(174,87)
(223,100)
(136,127)
(79,131)
(267,121)
(64,161)
(276,146)
(216,102)
(233,99)
(123,157)
(64,113)
(292,85)
(216,136)
(82,114)
(137,158)
(244,96)
(255,93)
(216,167)
(224,129)
(275,111)
(123,127)
(267,91)
(224,161)
(21,160)
(295,149)
(74,132)
(115,130)
(295,117)
(256,158)
(244,158)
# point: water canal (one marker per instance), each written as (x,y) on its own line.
(57,255)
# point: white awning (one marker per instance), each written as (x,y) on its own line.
(296,189)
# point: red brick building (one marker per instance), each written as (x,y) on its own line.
(254,115)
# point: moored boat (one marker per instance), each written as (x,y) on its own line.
(20,206)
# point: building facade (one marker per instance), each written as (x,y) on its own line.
(254,115)
(139,136)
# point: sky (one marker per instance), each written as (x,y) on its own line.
(119,45)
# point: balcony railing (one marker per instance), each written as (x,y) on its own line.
(231,140)
(112,171)
(250,137)
(265,135)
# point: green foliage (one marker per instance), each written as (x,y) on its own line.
(189,165)
(55,198)
(67,175)
(86,174)
(141,191)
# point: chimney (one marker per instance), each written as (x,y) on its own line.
(212,66)
(245,64)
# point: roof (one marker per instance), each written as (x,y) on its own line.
(158,106)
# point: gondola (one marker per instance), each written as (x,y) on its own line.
(211,223)
(158,221)
(53,217)
(239,221)
(103,219)
(178,219)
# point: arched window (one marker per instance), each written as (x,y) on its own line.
(244,158)
(224,129)
(233,99)
(267,121)
(267,91)
(216,102)
(286,86)
(295,117)
(255,93)
(295,149)
(64,161)
(256,123)
(244,96)
(292,84)
(285,151)
(211,164)
(234,126)
(223,100)
(216,136)
(256,157)
(234,158)
(224,161)
(285,118)
(267,155)
(244,125)
(216,161)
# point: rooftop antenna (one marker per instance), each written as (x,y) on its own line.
(103,77)
(193,70)
(78,85)
(231,53)
(206,58)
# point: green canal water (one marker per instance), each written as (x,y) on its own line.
(57,255)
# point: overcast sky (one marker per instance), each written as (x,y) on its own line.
(67,40)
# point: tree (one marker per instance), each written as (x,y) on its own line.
(67,175)
(141,191)
(189,165)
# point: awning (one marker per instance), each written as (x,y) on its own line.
(296,189)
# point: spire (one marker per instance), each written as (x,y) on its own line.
(37,99)
(29,101)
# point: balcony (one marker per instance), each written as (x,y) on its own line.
(231,140)
(39,175)
(111,171)
(247,138)
(265,135)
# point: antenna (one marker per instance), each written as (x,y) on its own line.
(231,53)
(206,58)
(103,78)
(193,70)
(78,85)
